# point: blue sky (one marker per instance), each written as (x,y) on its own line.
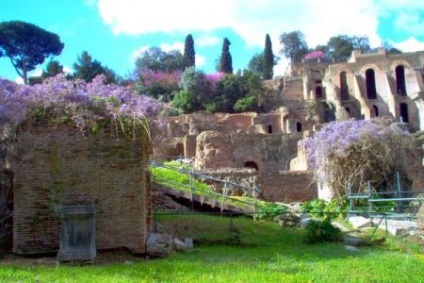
(115,31)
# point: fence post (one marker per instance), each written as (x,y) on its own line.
(224,194)
(191,183)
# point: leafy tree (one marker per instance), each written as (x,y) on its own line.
(87,69)
(53,68)
(189,52)
(27,45)
(252,99)
(355,152)
(155,59)
(226,61)
(197,87)
(268,60)
(340,47)
(294,45)
(256,64)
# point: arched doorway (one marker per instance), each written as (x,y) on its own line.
(251,164)
(370,84)
(400,80)
(344,89)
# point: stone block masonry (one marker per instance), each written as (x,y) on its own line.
(59,166)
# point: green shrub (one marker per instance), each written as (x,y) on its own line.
(336,207)
(322,231)
(268,211)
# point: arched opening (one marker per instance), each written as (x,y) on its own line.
(251,164)
(404,115)
(347,109)
(298,127)
(376,113)
(344,89)
(270,129)
(370,83)
(400,80)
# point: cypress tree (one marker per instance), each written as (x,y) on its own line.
(268,60)
(226,61)
(189,52)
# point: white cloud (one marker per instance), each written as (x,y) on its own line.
(137,53)
(251,19)
(174,46)
(409,45)
(200,60)
(207,40)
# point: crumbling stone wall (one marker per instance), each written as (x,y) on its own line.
(269,152)
(279,186)
(58,166)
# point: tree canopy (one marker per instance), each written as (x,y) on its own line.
(268,61)
(294,45)
(53,68)
(27,45)
(189,52)
(226,61)
(87,69)
(340,47)
(155,59)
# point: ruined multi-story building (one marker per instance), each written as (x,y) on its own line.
(309,94)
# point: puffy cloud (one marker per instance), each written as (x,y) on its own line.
(409,45)
(207,40)
(251,19)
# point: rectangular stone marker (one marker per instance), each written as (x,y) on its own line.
(77,232)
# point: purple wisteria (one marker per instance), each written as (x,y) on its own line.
(59,100)
(356,151)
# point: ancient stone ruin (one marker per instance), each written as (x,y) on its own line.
(311,93)
(75,194)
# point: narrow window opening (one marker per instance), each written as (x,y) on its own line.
(370,83)
(344,89)
(400,80)
(376,113)
(318,92)
(404,115)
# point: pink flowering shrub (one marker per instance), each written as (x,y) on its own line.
(87,105)
(355,152)
(159,84)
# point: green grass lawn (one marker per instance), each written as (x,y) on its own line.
(267,253)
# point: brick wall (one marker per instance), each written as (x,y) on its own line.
(58,167)
(287,186)
(282,186)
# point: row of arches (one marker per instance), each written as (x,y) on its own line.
(370,83)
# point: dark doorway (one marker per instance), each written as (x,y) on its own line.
(344,89)
(318,92)
(370,82)
(269,129)
(376,113)
(298,127)
(400,80)
(251,164)
(404,115)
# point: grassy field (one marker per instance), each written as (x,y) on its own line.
(266,253)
